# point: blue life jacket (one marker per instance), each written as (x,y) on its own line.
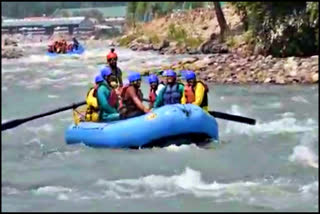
(172,95)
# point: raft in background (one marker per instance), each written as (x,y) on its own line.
(171,124)
(79,51)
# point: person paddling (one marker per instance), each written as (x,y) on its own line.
(196,91)
(172,93)
(107,98)
(92,111)
(75,44)
(154,85)
(132,98)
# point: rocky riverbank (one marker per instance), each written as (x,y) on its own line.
(235,61)
(10,49)
(233,69)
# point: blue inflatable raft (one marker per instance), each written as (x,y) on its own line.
(79,51)
(171,124)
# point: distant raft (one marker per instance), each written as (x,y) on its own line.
(79,51)
(171,124)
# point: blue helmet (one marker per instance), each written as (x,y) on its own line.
(153,78)
(134,76)
(106,71)
(98,79)
(190,75)
(169,73)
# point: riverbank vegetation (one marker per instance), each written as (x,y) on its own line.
(279,29)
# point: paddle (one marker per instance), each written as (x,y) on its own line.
(232,117)
(17,122)
(226,116)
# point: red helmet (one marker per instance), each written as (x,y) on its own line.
(112,55)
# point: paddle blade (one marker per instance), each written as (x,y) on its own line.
(11,124)
(232,117)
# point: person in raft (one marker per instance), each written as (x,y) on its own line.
(132,98)
(196,91)
(112,59)
(107,98)
(92,111)
(154,88)
(172,93)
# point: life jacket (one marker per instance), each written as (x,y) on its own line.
(152,96)
(172,94)
(113,98)
(127,101)
(190,94)
(92,112)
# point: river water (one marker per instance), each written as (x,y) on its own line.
(272,166)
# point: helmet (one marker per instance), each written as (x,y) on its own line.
(106,71)
(112,55)
(134,76)
(153,78)
(190,75)
(98,78)
(170,73)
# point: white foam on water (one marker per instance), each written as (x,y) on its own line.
(62,197)
(181,148)
(35,59)
(35,141)
(82,83)
(53,96)
(282,125)
(15,70)
(303,154)
(44,128)
(9,191)
(287,114)
(269,105)
(53,190)
(189,181)
(310,188)
(36,83)
(299,99)
(63,155)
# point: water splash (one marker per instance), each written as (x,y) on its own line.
(181,148)
(283,125)
(303,154)
(299,99)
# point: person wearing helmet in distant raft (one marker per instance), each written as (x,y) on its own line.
(172,93)
(132,98)
(196,91)
(112,59)
(92,111)
(75,44)
(107,98)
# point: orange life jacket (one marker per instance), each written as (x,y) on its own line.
(190,94)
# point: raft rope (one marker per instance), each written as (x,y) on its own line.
(184,110)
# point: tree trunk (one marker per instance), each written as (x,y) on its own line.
(221,20)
